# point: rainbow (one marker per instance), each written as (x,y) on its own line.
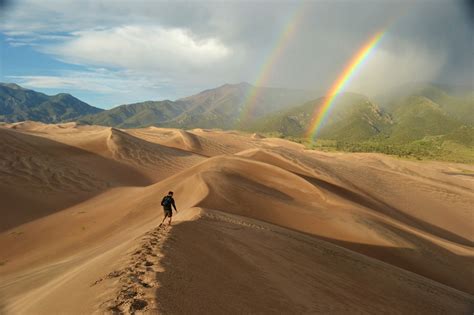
(322,111)
(288,30)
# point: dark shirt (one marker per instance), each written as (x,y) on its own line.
(168,206)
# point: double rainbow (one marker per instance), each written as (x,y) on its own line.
(322,111)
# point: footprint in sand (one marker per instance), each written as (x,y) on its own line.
(139,276)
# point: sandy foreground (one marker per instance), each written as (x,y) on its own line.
(264,226)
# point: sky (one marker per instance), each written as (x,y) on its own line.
(114,52)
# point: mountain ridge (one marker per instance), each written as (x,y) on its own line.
(421,120)
(219,107)
(19,104)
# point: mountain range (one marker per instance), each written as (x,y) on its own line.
(19,104)
(221,107)
(354,117)
(214,108)
(424,116)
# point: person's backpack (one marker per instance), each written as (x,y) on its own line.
(166,201)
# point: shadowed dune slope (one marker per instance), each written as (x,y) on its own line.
(241,265)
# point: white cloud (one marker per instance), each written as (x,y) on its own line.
(126,86)
(78,81)
(199,44)
(136,47)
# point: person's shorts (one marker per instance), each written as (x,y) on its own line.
(168,212)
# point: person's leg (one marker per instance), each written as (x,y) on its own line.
(170,221)
(164,218)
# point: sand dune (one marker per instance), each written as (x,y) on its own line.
(198,141)
(176,138)
(267,269)
(156,160)
(264,226)
(265,192)
(40,176)
(72,163)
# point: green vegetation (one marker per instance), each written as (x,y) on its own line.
(353,118)
(410,125)
(417,117)
(435,148)
(463,135)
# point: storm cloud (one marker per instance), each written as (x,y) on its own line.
(182,47)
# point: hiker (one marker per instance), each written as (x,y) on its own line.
(167,202)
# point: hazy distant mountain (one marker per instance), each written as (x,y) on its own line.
(137,115)
(215,108)
(417,117)
(227,106)
(405,117)
(456,101)
(354,117)
(18,104)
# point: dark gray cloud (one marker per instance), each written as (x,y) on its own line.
(469,9)
(443,26)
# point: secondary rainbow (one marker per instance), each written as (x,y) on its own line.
(288,30)
(350,70)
